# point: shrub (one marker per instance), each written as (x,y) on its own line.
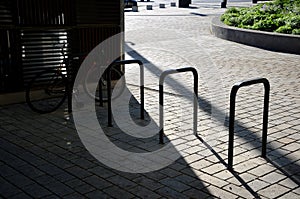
(278,16)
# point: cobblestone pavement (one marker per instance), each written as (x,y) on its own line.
(43,157)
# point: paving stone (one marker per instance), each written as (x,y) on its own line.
(239,190)
(148,183)
(212,180)
(7,171)
(79,172)
(197,194)
(170,193)
(290,195)
(262,170)
(273,191)
(101,171)
(193,158)
(51,169)
(257,185)
(142,192)
(201,164)
(97,182)
(297,191)
(156,176)
(96,194)
(59,188)
(224,175)
(20,195)
(174,184)
(84,188)
(31,171)
(185,179)
(75,183)
(31,141)
(273,177)
(63,177)
(7,189)
(215,168)
(36,191)
(45,179)
(116,192)
(122,182)
(20,180)
(220,193)
(288,183)
(247,177)
(169,172)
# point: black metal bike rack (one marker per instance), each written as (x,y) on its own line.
(124,62)
(161,98)
(233,93)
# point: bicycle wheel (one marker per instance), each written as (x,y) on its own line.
(46,91)
(91,83)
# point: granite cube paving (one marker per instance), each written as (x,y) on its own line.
(42,156)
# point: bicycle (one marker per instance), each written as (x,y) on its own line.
(48,90)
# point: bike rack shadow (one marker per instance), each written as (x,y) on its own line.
(161,98)
(117,63)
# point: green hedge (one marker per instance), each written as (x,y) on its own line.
(282,16)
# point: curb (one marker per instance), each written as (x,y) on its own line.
(266,40)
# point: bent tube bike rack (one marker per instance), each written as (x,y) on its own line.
(109,87)
(233,93)
(161,98)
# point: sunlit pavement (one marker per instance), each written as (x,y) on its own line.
(43,157)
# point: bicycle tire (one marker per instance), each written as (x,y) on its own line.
(47,91)
(90,82)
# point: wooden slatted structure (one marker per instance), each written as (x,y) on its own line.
(34,32)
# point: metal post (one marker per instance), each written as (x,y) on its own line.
(265,118)
(161,98)
(109,114)
(142,96)
(233,93)
(100,93)
(223,4)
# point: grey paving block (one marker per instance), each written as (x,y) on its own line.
(30,171)
(143,192)
(7,189)
(122,182)
(21,195)
(148,183)
(170,193)
(36,191)
(97,194)
(75,195)
(64,177)
(31,142)
(45,179)
(174,184)
(59,188)
(170,172)
(101,171)
(84,188)
(197,194)
(20,180)
(273,191)
(116,192)
(97,182)
(273,177)
(290,195)
(79,172)
(7,170)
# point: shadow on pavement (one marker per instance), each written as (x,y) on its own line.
(289,167)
